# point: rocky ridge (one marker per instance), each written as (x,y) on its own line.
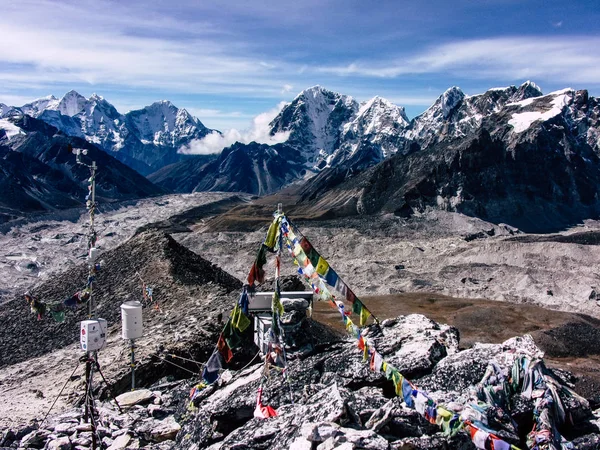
(491,173)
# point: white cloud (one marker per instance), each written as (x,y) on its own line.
(286,88)
(557,24)
(100,47)
(259,132)
(564,59)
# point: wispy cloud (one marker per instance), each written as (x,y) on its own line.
(568,59)
(258,132)
(67,43)
(557,24)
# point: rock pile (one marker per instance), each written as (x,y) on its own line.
(333,401)
(145,420)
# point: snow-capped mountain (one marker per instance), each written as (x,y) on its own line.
(163,124)
(146,139)
(375,133)
(315,119)
(39,173)
(509,155)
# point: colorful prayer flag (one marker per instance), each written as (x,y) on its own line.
(364,316)
(224,349)
(331,277)
(322,266)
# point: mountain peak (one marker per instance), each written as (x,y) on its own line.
(73,93)
(449,99)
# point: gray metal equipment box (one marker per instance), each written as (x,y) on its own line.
(260,307)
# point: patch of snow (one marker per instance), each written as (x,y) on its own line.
(10,128)
(523,103)
(522,121)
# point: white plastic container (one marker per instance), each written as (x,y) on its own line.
(93,335)
(131,317)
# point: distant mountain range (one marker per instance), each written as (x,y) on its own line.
(146,139)
(465,153)
(39,173)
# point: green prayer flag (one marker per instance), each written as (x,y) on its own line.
(231,335)
(389,370)
(397,380)
(276,305)
(357,307)
(59,316)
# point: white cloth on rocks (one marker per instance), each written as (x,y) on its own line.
(479,439)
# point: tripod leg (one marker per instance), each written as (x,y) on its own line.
(110,387)
(87,389)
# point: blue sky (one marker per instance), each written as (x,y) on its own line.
(228,61)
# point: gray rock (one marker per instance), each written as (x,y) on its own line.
(81,441)
(62,443)
(35,439)
(65,428)
(129,399)
(165,430)
(120,442)
(294,304)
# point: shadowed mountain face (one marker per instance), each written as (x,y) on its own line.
(255,168)
(39,173)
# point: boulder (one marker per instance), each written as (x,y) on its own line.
(62,443)
(35,439)
(129,399)
(165,430)
(65,428)
(120,442)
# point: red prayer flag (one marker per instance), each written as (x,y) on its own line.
(224,349)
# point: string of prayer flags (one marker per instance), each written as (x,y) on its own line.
(39,308)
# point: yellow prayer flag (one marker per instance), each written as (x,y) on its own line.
(364,316)
(276,305)
(322,266)
(349,325)
(384,367)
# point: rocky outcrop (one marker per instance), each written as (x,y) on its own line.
(332,400)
